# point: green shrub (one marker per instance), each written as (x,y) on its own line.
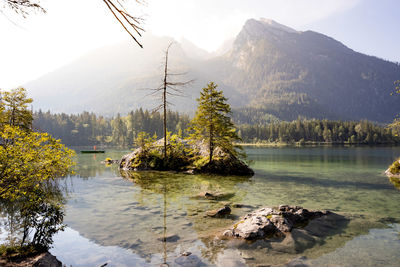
(155,160)
(395,167)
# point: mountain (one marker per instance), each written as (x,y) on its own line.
(108,80)
(192,51)
(289,73)
(268,68)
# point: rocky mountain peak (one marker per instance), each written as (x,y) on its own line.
(264,27)
(273,24)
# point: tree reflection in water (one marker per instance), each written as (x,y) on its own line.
(30,224)
(395,181)
(180,202)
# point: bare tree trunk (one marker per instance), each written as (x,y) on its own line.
(167,88)
(165,103)
(211,143)
(12,119)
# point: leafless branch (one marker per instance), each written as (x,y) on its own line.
(130,23)
(177,74)
(127,21)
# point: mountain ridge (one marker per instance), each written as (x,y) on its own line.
(270,67)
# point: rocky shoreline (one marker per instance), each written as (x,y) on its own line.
(42,260)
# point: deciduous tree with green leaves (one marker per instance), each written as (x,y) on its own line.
(16,108)
(28,159)
(29,164)
(212,122)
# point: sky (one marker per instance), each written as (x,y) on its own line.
(41,43)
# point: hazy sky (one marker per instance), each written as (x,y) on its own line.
(39,44)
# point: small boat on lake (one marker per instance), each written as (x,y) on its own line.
(92,151)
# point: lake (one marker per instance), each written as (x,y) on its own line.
(124,221)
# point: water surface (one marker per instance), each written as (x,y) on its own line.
(123,221)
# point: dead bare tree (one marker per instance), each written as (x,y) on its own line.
(171,88)
(130,23)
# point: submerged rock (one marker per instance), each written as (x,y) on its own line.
(109,161)
(189,260)
(298,262)
(169,238)
(222,212)
(267,222)
(242,206)
(215,195)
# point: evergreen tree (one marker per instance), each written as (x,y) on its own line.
(212,123)
(119,132)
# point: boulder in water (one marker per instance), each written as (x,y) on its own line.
(267,222)
(218,213)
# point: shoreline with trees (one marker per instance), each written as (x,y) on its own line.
(88,129)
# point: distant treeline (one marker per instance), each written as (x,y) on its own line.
(302,131)
(90,129)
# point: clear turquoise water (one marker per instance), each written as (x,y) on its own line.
(120,221)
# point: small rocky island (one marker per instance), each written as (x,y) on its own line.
(184,156)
